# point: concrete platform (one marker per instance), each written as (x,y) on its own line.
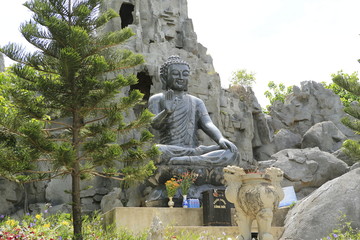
(139,219)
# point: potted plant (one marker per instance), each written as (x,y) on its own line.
(185,181)
(171,187)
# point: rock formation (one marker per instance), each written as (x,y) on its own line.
(306,169)
(308,105)
(317,215)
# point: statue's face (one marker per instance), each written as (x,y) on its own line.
(178,77)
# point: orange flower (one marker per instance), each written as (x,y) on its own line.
(171,187)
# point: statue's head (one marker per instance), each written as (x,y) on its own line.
(174,74)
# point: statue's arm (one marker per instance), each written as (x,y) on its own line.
(207,125)
(155,108)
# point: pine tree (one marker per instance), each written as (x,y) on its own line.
(351,84)
(64,105)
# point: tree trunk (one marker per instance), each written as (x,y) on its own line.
(75,175)
(76,203)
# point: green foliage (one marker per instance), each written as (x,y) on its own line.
(57,103)
(243,78)
(346,97)
(58,226)
(277,92)
(350,86)
(344,231)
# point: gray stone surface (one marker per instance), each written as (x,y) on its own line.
(341,155)
(285,139)
(2,62)
(93,190)
(307,169)
(317,215)
(324,135)
(356,165)
(57,191)
(11,196)
(111,200)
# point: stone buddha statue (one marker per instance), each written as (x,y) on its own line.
(179,115)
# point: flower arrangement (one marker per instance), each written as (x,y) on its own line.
(171,187)
(185,181)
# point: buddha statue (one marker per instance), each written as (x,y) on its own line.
(178,117)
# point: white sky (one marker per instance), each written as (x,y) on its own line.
(286,41)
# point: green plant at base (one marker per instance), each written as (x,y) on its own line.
(59,226)
(344,232)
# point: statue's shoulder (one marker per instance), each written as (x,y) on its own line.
(156,98)
(196,100)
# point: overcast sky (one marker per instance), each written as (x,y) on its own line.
(286,41)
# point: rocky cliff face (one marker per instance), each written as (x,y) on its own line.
(163,29)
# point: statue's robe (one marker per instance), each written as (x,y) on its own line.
(178,134)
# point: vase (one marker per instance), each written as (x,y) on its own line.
(256,196)
(171,202)
(185,203)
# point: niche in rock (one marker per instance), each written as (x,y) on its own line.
(126,16)
(144,86)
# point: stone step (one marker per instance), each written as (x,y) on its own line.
(218,231)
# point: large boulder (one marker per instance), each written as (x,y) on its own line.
(315,216)
(11,196)
(283,139)
(324,135)
(307,169)
(111,200)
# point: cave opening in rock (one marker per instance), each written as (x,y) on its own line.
(126,15)
(144,86)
